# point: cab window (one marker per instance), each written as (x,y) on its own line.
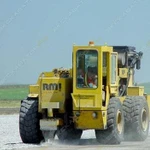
(113,69)
(87,69)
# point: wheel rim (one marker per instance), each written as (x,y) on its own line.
(144,119)
(119,121)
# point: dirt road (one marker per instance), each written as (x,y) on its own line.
(10,139)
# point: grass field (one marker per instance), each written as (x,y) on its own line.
(11,95)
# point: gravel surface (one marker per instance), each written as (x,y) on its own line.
(9,133)
(10,140)
(6,111)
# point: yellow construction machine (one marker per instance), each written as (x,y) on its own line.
(98,93)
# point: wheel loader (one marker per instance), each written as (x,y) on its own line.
(97,93)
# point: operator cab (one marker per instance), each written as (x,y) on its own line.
(91,73)
(104,68)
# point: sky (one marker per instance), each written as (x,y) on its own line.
(37,36)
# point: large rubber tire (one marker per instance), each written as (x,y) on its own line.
(68,133)
(136,114)
(29,122)
(115,124)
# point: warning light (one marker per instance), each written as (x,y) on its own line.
(91,43)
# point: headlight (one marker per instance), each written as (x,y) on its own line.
(94,115)
(77,113)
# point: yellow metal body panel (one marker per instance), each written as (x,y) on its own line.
(114,90)
(86,101)
(70,71)
(123,72)
(33,95)
(135,91)
(55,91)
(34,89)
(87,121)
(51,91)
(148,98)
(47,74)
(50,105)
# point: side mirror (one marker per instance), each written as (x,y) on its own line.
(138,64)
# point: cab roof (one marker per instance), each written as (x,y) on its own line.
(123,49)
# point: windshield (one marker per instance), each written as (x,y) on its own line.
(87,61)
